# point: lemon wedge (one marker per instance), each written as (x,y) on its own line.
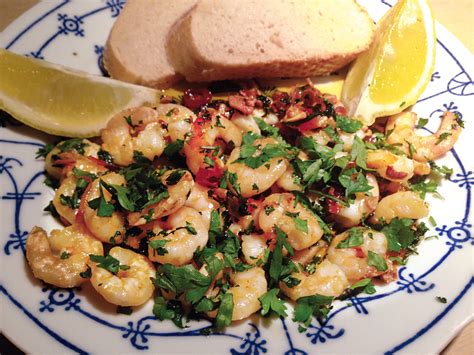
(62,101)
(395,70)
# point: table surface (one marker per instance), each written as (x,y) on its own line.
(457,16)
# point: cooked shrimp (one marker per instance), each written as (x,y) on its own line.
(66,189)
(300,225)
(103,228)
(245,123)
(204,140)
(402,204)
(327,280)
(136,129)
(66,153)
(253,248)
(289,181)
(69,189)
(248,287)
(60,259)
(201,202)
(254,181)
(178,119)
(354,261)
(362,206)
(398,168)
(131,286)
(178,192)
(183,232)
(306,256)
(401,130)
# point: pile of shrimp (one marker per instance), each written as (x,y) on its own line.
(210,206)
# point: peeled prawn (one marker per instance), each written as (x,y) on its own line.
(300,225)
(248,287)
(254,181)
(60,259)
(401,130)
(131,286)
(327,280)
(134,130)
(183,232)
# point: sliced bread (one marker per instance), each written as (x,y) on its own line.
(267,38)
(135,50)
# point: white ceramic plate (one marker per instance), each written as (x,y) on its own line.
(401,317)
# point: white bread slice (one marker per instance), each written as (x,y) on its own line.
(227,39)
(135,50)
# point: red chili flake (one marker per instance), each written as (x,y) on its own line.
(101,163)
(82,205)
(392,173)
(64,162)
(340,110)
(309,125)
(209,177)
(359,252)
(252,205)
(332,206)
(196,98)
(271,237)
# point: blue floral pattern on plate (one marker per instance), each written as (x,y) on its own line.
(78,26)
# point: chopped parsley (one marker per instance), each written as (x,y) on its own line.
(272,303)
(108,263)
(377,261)
(309,306)
(354,239)
(347,124)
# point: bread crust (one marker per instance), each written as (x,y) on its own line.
(134,51)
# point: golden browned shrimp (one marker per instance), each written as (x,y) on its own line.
(107,227)
(400,129)
(397,168)
(136,129)
(254,181)
(178,119)
(182,234)
(354,261)
(300,225)
(402,204)
(248,287)
(131,285)
(60,259)
(327,280)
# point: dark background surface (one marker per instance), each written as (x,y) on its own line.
(7,348)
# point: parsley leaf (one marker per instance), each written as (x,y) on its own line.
(375,260)
(104,208)
(355,238)
(168,309)
(174,147)
(108,263)
(359,184)
(271,302)
(366,285)
(159,246)
(215,228)
(359,152)
(276,260)
(44,151)
(224,312)
(399,233)
(347,124)
(306,307)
